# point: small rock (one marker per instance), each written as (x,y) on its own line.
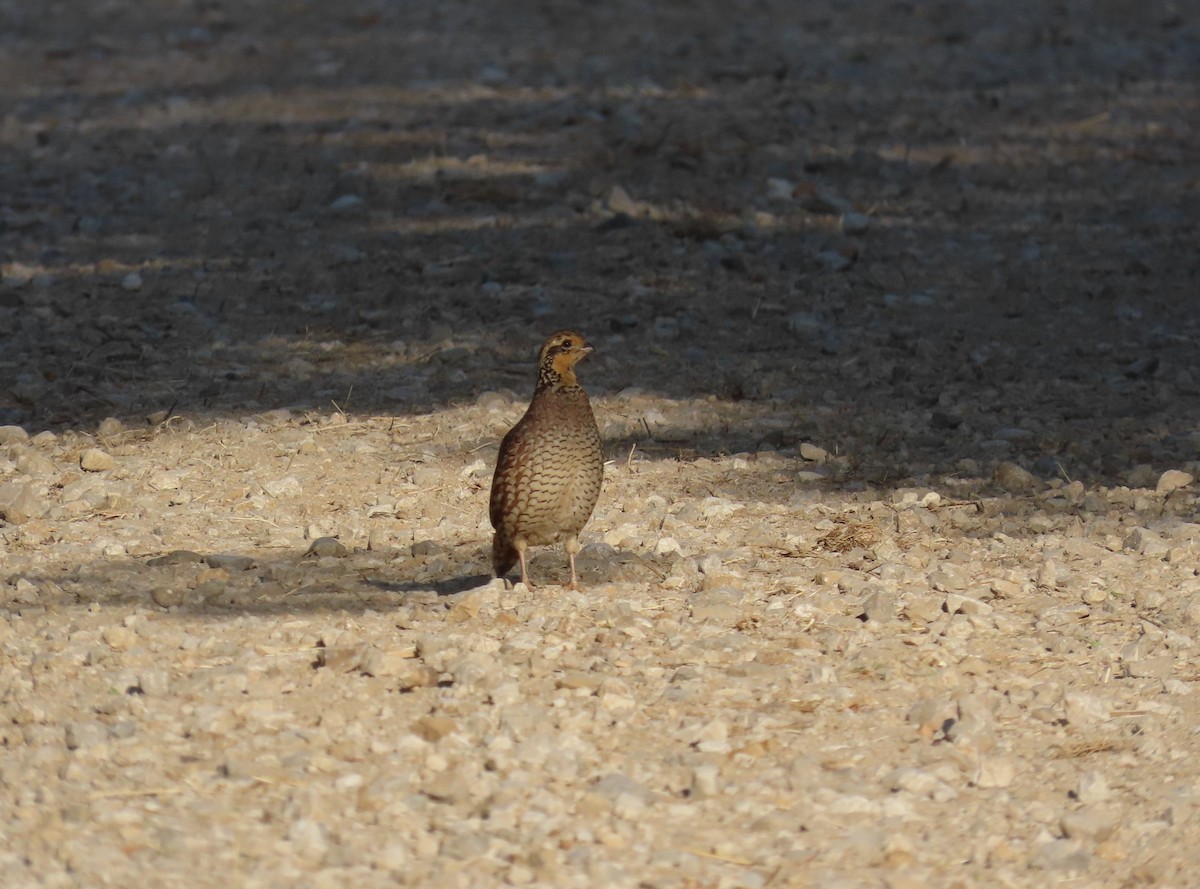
(807,324)
(615,785)
(928,715)
(423,548)
(287,486)
(345,203)
(119,638)
(414,674)
(176,557)
(493,75)
(1013,478)
(666,546)
(975,725)
(166,597)
(578,679)
(728,582)
(1012,433)
(1173,480)
(1142,476)
(1159,667)
(493,401)
(880,607)
(819,199)
(12,435)
(347,657)
(956,603)
(476,671)
(19,504)
(96,460)
(1149,599)
(84,734)
(450,786)
(478,469)
(154,681)
(912,780)
(327,546)
(619,201)
(706,781)
(1006,589)
(1047,575)
(323,528)
(1061,855)
(835,260)
(34,463)
(719,604)
(855,223)
(1092,788)
(948,579)
(433,728)
(309,838)
(1083,709)
(394,857)
(779,189)
(995,772)
(393,662)
(25,592)
(1146,542)
(714,737)
(166,479)
(505,694)
(131,282)
(813,453)
(943,420)
(1090,823)
(229,561)
(924,609)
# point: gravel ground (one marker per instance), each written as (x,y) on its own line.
(895,577)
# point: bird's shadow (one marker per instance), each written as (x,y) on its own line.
(450,586)
(597,563)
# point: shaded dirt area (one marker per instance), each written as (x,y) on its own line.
(893,580)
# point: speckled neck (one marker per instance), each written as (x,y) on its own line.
(557,373)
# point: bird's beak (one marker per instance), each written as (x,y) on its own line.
(586,349)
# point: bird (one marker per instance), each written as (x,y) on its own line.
(550,466)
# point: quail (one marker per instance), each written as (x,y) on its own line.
(550,466)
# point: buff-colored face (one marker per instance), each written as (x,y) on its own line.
(563,349)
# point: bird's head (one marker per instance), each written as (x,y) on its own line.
(560,353)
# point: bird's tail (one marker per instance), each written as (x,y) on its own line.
(504,555)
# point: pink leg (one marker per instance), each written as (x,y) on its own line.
(524,573)
(572,548)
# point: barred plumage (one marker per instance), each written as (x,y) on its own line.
(551,464)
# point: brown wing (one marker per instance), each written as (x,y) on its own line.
(506,477)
